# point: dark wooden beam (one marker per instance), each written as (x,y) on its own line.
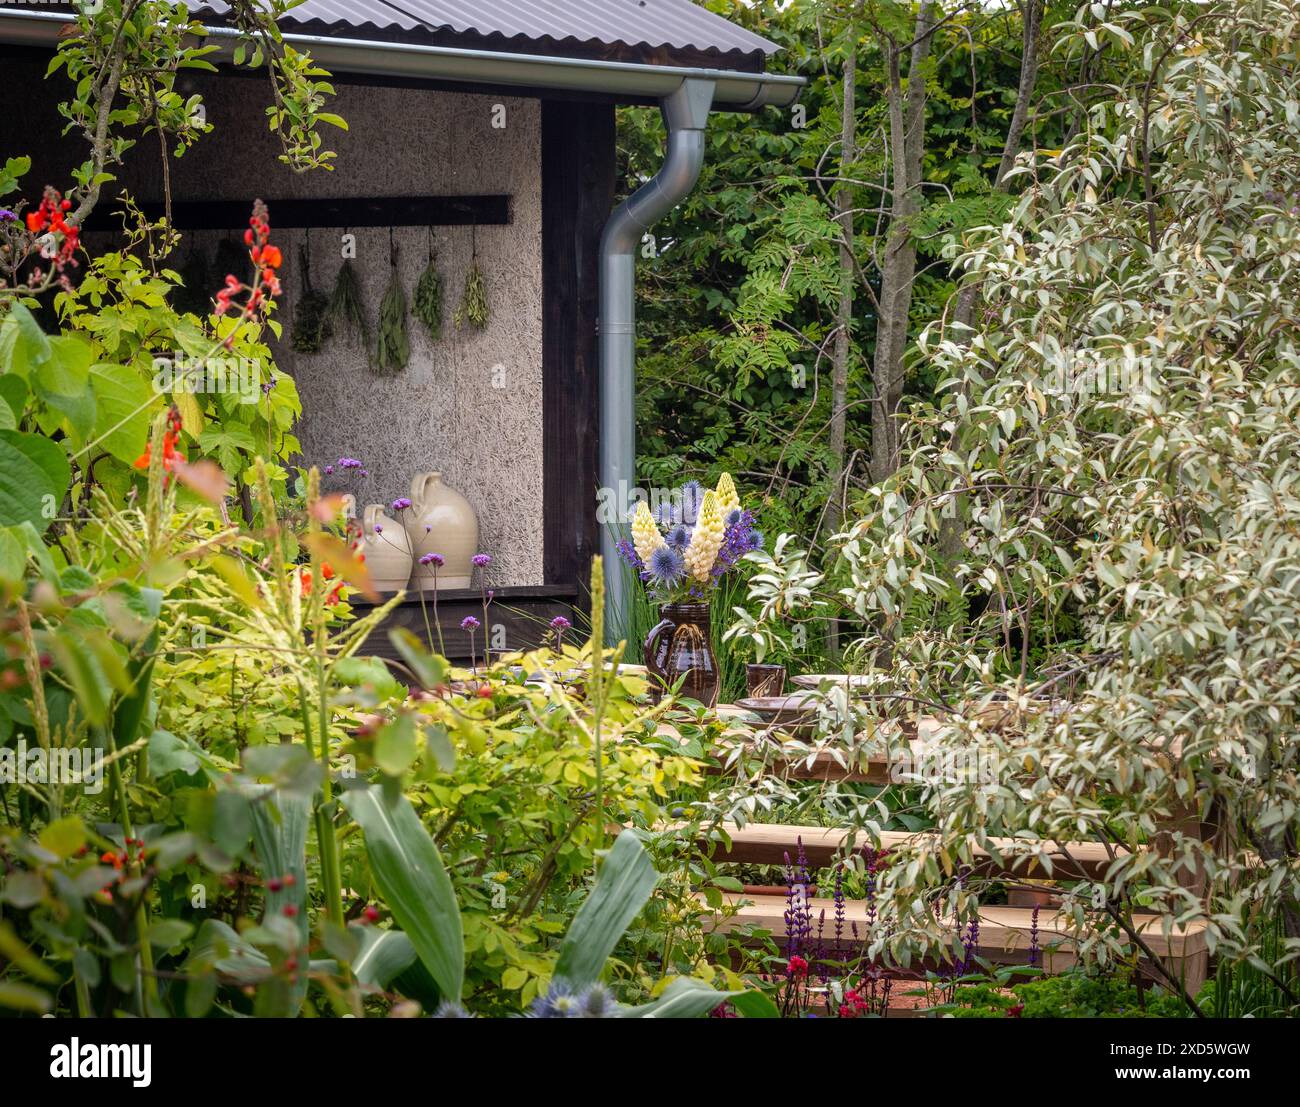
(577,195)
(374,211)
(523,613)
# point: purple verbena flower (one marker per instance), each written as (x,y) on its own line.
(560,623)
(432,559)
(401,503)
(469,623)
(481,560)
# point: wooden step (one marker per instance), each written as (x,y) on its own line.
(1004,936)
(768,844)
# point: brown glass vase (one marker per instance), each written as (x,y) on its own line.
(680,648)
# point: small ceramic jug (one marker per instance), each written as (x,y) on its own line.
(387,548)
(440,521)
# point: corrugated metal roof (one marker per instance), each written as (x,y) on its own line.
(674,24)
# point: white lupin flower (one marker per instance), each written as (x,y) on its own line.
(728,499)
(706,539)
(645,533)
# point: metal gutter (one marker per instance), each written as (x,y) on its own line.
(733,90)
(686,114)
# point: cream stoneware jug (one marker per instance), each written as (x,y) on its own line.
(387,550)
(440,521)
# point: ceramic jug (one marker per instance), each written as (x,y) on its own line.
(387,549)
(441,521)
(679,654)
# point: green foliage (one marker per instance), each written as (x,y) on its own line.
(1110,454)
(1071,995)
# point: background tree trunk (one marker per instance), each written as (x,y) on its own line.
(848,279)
(907,151)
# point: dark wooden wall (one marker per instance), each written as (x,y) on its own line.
(577,195)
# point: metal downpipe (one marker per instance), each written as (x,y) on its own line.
(686,114)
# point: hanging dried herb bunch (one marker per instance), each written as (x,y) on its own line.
(394,346)
(473,303)
(427,307)
(311,318)
(346,313)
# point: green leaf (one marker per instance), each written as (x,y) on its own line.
(23,997)
(684,998)
(13,391)
(24,347)
(384,955)
(13,950)
(232,822)
(280,838)
(34,477)
(12,169)
(64,837)
(13,556)
(369,673)
(753,1004)
(410,876)
(396,745)
(66,371)
(169,754)
(124,404)
(626,880)
(430,669)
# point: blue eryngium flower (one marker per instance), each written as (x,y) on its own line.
(692,495)
(562,1001)
(679,537)
(667,566)
(447,1009)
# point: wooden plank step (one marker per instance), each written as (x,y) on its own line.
(1004,932)
(768,844)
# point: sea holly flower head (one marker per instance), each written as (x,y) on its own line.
(679,537)
(666,566)
(692,501)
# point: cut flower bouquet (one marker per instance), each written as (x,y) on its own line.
(683,546)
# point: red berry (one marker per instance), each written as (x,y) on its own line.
(288,910)
(274,885)
(370,914)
